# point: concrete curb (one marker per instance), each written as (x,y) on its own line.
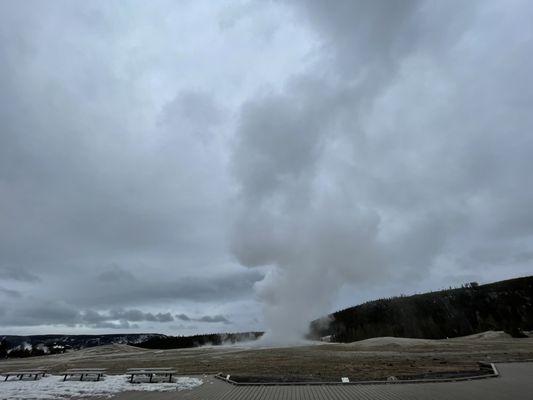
(493,374)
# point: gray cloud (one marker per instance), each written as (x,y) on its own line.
(183,317)
(225,287)
(131,315)
(205,318)
(10,292)
(214,319)
(166,317)
(18,274)
(40,313)
(193,111)
(116,274)
(59,313)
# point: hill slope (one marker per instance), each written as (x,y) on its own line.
(505,305)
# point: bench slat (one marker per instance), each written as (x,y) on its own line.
(22,374)
(88,371)
(99,372)
(151,372)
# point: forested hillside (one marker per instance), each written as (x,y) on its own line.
(505,305)
(214,339)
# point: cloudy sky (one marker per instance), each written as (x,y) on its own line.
(204,166)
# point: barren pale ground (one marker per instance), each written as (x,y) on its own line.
(375,358)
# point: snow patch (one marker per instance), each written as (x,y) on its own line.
(53,388)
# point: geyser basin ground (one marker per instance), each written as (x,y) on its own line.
(365,360)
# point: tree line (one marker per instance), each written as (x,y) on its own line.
(472,308)
(213,339)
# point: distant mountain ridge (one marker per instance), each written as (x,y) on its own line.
(505,305)
(37,345)
(32,345)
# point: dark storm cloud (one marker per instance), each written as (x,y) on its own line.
(138,315)
(213,319)
(365,35)
(183,317)
(131,315)
(117,286)
(18,274)
(205,289)
(92,316)
(40,313)
(195,111)
(166,317)
(59,313)
(205,318)
(116,274)
(10,292)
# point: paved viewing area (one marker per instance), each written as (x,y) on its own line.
(515,382)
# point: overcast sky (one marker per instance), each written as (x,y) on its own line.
(203,166)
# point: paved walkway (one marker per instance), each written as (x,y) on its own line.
(515,382)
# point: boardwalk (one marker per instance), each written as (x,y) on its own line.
(515,382)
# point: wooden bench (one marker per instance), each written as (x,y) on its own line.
(150,372)
(83,372)
(21,374)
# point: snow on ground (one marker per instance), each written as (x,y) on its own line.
(53,388)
